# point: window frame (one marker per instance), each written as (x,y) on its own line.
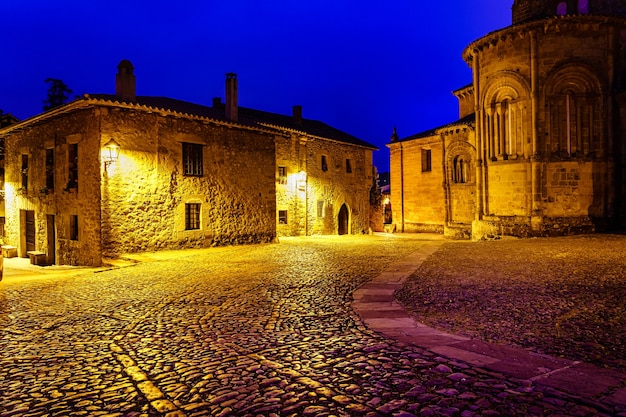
(282,174)
(427,160)
(193,159)
(192,216)
(283,217)
(460,173)
(24,172)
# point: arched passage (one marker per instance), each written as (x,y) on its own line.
(343,220)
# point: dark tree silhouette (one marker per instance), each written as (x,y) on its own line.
(58,93)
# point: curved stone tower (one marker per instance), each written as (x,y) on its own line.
(550,104)
(525,10)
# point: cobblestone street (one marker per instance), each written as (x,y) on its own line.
(263,330)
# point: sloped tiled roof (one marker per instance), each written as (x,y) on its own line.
(464,121)
(246,117)
(312,127)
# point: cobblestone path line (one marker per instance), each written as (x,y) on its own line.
(265,330)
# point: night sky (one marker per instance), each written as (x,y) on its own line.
(361,66)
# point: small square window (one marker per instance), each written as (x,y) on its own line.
(282,175)
(324,163)
(25,172)
(282,217)
(192,159)
(192,216)
(426,160)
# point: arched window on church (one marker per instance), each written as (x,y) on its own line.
(503,127)
(460,170)
(583,6)
(505,124)
(574,127)
(561,8)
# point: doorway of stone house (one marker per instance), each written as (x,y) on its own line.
(343,220)
(29,230)
(51,238)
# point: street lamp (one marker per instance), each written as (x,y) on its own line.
(110,152)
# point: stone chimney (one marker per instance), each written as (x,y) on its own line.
(231,97)
(125,81)
(217,103)
(297,115)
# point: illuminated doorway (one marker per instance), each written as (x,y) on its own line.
(343,220)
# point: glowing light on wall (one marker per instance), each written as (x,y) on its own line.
(110,152)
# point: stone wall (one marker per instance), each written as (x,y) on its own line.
(509,189)
(145,193)
(137,203)
(417,198)
(568,51)
(549,147)
(312,194)
(60,202)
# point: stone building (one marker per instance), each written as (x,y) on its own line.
(324,177)
(110,174)
(540,145)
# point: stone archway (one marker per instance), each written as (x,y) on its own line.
(343,220)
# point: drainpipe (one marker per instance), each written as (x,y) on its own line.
(479,135)
(402,183)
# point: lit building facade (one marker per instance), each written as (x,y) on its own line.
(540,145)
(111,174)
(324,177)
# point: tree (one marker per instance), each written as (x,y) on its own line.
(58,93)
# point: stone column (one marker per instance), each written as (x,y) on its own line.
(479,138)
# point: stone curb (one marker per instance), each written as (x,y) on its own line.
(375,304)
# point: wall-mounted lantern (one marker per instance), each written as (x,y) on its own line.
(110,152)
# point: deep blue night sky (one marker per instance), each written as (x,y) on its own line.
(359,65)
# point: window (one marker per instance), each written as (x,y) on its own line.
(324,163)
(73,227)
(282,175)
(50,169)
(25,172)
(282,217)
(583,6)
(348,166)
(320,208)
(460,170)
(572,124)
(192,159)
(72,161)
(561,8)
(426,160)
(192,216)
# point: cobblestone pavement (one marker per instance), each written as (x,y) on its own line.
(264,330)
